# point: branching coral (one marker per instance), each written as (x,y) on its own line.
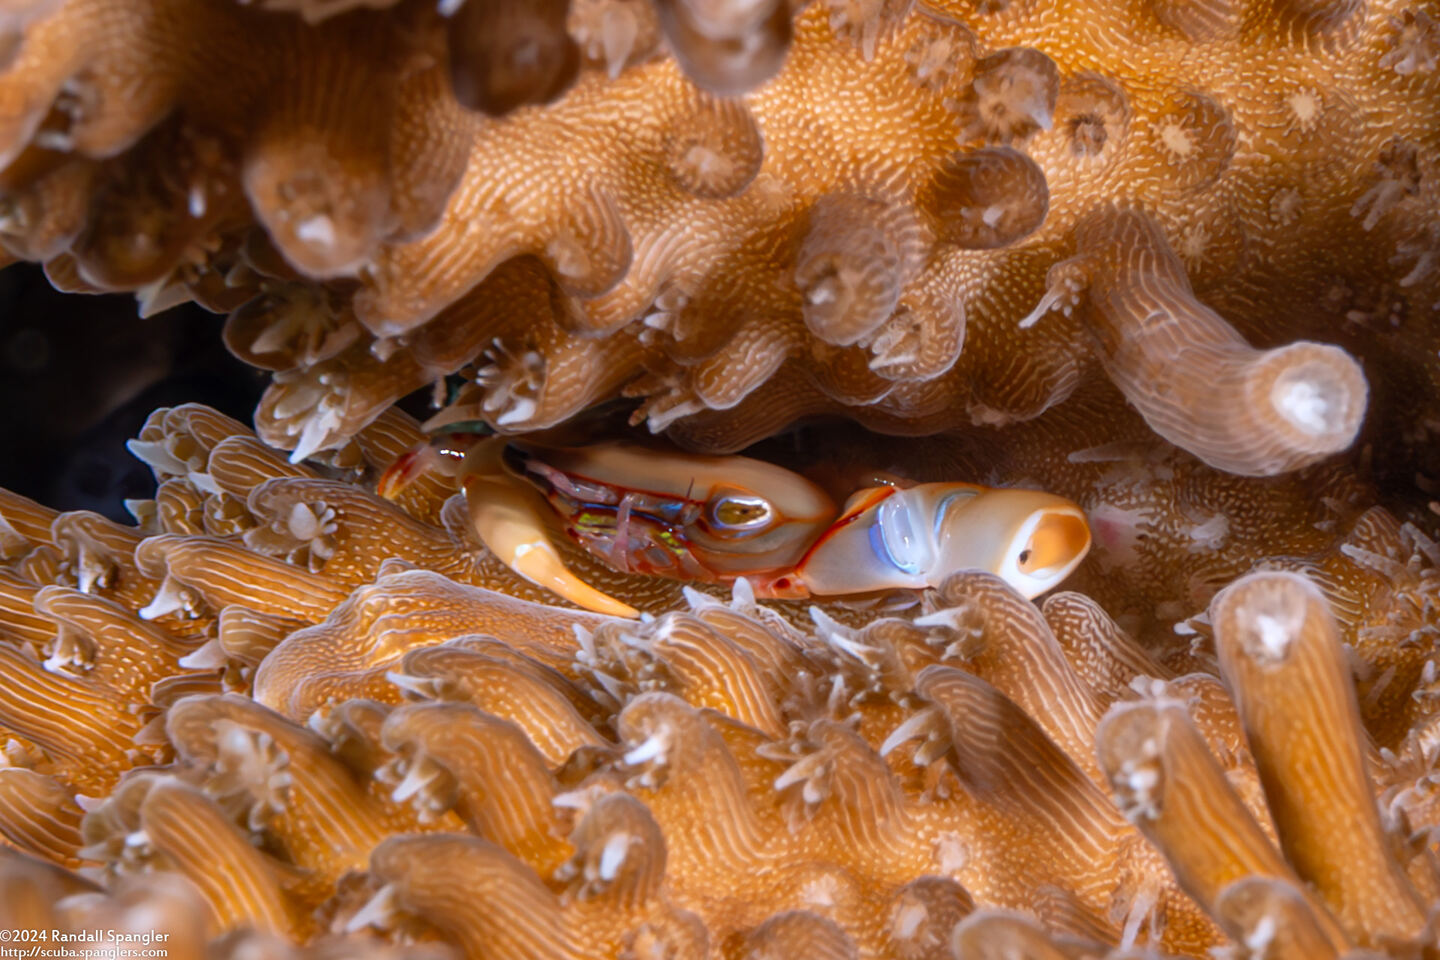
(1282,661)
(858,233)
(1236,408)
(1166,259)
(724,779)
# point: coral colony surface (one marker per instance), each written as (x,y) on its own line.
(1174,261)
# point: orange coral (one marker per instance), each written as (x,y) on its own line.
(719,778)
(872,256)
(1164,259)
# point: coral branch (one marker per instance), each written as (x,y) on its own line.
(857,256)
(727,48)
(991,197)
(522,919)
(455,755)
(1197,383)
(1170,786)
(1281,656)
(38,814)
(500,681)
(1014,650)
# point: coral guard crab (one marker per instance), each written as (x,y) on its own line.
(723,518)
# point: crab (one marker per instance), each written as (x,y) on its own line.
(662,512)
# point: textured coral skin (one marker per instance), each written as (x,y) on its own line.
(282,674)
(259,717)
(701,245)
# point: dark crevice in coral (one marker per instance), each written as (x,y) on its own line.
(78,377)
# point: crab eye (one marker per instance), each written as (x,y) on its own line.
(735,514)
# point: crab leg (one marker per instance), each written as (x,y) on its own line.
(408,467)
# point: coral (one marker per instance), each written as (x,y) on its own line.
(845,210)
(1275,638)
(270,732)
(1236,408)
(1172,260)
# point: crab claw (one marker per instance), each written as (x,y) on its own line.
(445,452)
(407,467)
(915,538)
(507,519)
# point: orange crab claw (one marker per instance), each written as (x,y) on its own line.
(507,519)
